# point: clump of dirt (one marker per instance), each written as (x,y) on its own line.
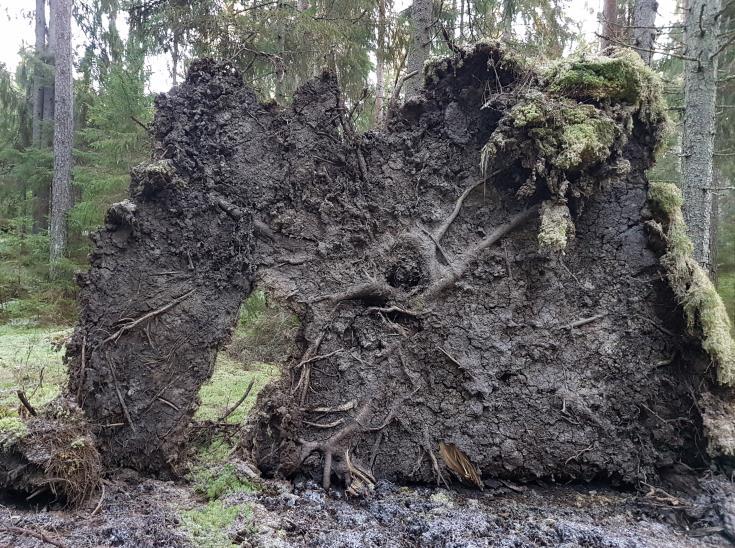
(429,315)
(51,452)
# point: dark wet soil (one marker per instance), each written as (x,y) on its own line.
(140,513)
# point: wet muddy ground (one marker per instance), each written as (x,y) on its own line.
(137,512)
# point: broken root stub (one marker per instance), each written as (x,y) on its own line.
(419,290)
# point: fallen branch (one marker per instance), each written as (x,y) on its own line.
(26,403)
(232,409)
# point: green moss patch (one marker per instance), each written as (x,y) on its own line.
(622,77)
(705,312)
(208,525)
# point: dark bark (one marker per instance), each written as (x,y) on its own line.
(61,196)
(380,51)
(429,316)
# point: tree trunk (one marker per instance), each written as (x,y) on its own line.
(280,67)
(609,26)
(380,66)
(461,20)
(61,196)
(432,320)
(700,90)
(38,73)
(421,20)
(47,128)
(508,15)
(644,32)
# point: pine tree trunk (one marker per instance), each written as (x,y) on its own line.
(380,66)
(40,46)
(47,127)
(644,32)
(700,87)
(421,19)
(61,197)
(609,20)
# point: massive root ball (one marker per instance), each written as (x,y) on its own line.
(450,325)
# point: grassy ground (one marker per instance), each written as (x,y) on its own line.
(29,362)
(228,384)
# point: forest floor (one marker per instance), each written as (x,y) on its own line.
(219,504)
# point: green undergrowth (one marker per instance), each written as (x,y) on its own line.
(214,482)
(208,525)
(705,311)
(31,361)
(227,385)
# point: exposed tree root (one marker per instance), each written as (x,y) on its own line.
(471,254)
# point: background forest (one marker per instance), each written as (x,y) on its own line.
(118,46)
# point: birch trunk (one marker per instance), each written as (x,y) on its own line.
(700,86)
(421,19)
(644,30)
(61,197)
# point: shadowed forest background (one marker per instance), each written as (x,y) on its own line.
(276,46)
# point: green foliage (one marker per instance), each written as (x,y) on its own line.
(266,332)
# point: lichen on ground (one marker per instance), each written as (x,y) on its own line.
(705,312)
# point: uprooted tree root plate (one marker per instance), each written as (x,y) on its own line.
(479,283)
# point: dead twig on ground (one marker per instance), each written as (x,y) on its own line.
(232,409)
(26,403)
(583,321)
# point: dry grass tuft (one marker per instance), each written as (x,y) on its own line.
(458,463)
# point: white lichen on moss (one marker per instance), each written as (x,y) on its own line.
(556,228)
(705,312)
